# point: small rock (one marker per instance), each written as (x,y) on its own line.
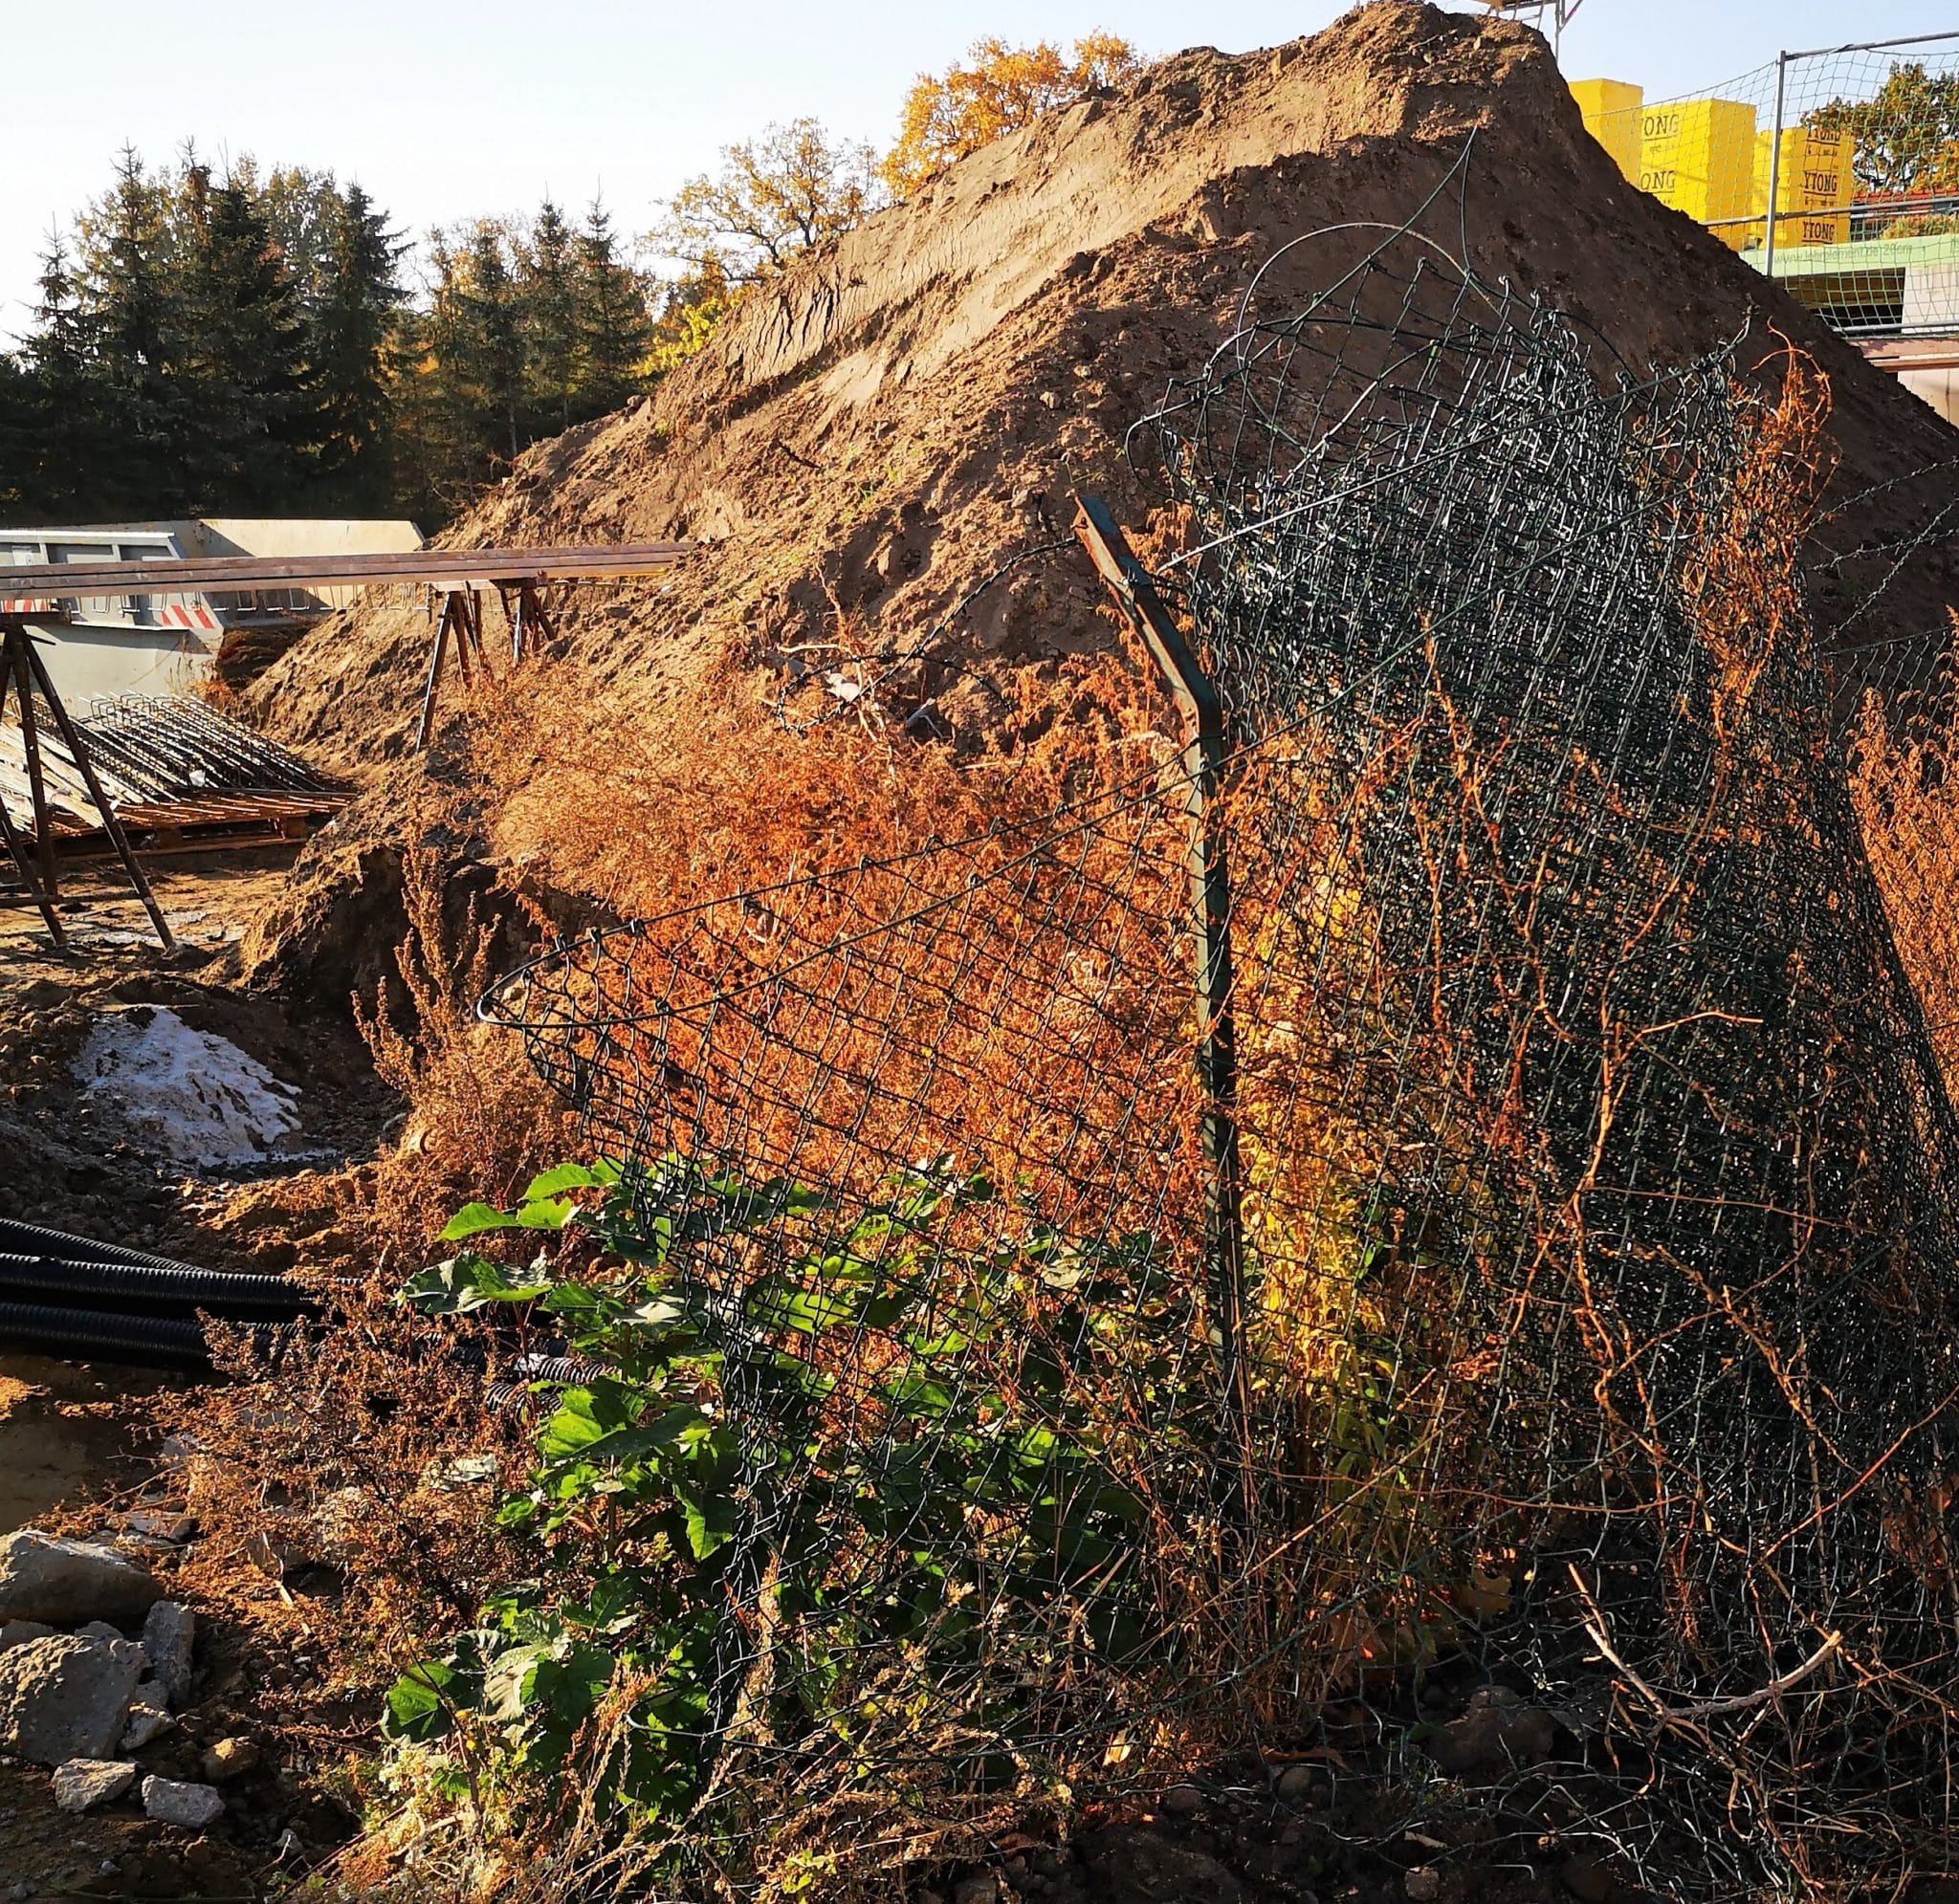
(1296,1784)
(982,1889)
(1424,1885)
(171,1526)
(229,1759)
(288,1846)
(1496,1734)
(148,1717)
(172,1803)
(17,1633)
(82,1783)
(66,1698)
(98,1629)
(1183,1801)
(170,1636)
(66,1582)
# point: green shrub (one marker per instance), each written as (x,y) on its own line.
(842,1469)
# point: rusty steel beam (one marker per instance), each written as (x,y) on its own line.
(244,575)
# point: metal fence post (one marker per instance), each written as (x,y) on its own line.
(1217,1053)
(1775,163)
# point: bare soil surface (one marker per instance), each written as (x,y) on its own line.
(869,439)
(79,1442)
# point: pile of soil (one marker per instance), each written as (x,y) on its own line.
(873,437)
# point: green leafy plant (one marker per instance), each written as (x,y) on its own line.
(835,1464)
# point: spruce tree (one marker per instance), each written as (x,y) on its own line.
(359,295)
(125,285)
(69,460)
(242,356)
(492,339)
(615,332)
(17,419)
(548,289)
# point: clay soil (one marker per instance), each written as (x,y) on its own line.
(878,457)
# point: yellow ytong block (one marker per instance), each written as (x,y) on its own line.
(1814,190)
(1699,157)
(1610,110)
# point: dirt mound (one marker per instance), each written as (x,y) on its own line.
(879,449)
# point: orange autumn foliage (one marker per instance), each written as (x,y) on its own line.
(950,114)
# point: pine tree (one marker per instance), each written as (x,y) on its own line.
(548,292)
(359,293)
(615,331)
(241,354)
(124,286)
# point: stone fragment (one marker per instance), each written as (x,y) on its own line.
(149,1717)
(67,1582)
(66,1698)
(17,1633)
(231,1758)
(1296,1784)
(1424,1885)
(170,1525)
(170,1637)
(1497,1734)
(1183,1801)
(82,1783)
(98,1629)
(172,1803)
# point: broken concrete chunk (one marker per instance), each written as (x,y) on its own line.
(66,1698)
(82,1783)
(172,1803)
(169,1635)
(67,1582)
(149,1717)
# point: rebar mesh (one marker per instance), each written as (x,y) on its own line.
(1599,1234)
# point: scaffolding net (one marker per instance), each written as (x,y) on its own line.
(1856,149)
(1575,1290)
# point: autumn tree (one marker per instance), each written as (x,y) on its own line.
(1907,136)
(1003,88)
(773,198)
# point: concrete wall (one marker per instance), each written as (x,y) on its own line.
(297,536)
(85,663)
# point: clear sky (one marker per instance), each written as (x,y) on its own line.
(445,111)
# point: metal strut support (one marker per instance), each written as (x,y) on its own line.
(462,623)
(23,672)
(1217,1053)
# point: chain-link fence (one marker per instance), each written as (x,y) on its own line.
(1578,1280)
(1855,149)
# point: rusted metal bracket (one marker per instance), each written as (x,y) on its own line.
(1204,754)
(23,672)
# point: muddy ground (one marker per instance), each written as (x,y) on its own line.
(82,1450)
(81,1445)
